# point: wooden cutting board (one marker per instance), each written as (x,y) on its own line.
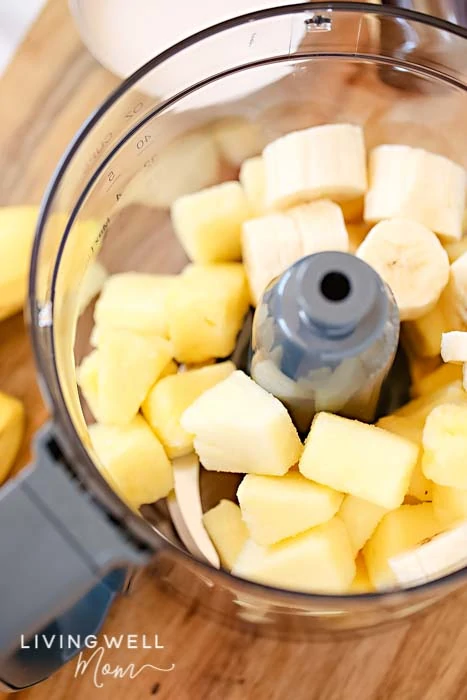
(51,86)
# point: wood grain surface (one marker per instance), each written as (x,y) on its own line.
(52,84)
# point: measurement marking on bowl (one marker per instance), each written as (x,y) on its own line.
(319,23)
(112,179)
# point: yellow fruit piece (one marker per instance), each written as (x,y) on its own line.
(361,582)
(129,365)
(418,409)
(277,507)
(11,432)
(237,139)
(398,531)
(93,281)
(441,377)
(358,458)
(317,561)
(17,226)
(238,427)
(360,518)
(445,446)
(420,487)
(169,369)
(135,301)
(449,504)
(227,531)
(87,376)
(171,396)
(206,311)
(209,223)
(133,461)
(253,180)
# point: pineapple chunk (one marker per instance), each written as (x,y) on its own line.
(449,504)
(129,365)
(227,531)
(238,139)
(209,223)
(361,519)
(135,301)
(420,487)
(419,409)
(441,377)
(11,432)
(445,446)
(238,427)
(277,507)
(17,226)
(169,369)
(317,561)
(171,396)
(361,582)
(253,180)
(133,461)
(93,281)
(359,459)
(87,376)
(206,311)
(398,531)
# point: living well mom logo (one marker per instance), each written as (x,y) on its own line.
(93,658)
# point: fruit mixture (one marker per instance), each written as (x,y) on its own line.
(355,507)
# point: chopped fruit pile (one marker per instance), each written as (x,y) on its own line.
(350,509)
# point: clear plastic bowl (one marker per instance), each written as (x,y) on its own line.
(400,75)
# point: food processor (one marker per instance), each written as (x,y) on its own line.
(76,543)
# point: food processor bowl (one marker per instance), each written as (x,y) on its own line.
(109,200)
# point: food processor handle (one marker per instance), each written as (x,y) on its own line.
(62,562)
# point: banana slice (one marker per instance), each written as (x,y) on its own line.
(415,183)
(271,243)
(454,347)
(319,162)
(253,180)
(459,286)
(185,509)
(440,556)
(411,260)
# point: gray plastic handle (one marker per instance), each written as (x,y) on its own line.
(56,545)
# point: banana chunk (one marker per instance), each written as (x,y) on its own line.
(185,509)
(415,183)
(412,261)
(459,286)
(319,162)
(454,347)
(438,557)
(270,244)
(253,180)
